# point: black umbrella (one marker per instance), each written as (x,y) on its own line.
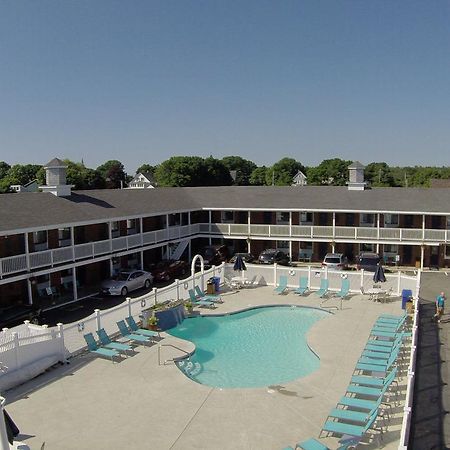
(239,263)
(378,276)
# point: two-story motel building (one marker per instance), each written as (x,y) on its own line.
(61,243)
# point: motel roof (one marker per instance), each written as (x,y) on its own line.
(26,211)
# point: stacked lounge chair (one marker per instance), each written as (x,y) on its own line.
(367,400)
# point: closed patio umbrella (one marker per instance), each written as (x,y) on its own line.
(239,264)
(378,276)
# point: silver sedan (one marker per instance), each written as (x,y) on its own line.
(127,281)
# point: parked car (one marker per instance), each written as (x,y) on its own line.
(367,261)
(247,257)
(335,261)
(13,315)
(168,269)
(271,255)
(127,281)
(213,255)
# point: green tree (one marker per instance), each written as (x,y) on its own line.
(333,172)
(216,173)
(22,173)
(114,174)
(243,168)
(146,168)
(179,171)
(4,169)
(258,176)
(379,174)
(283,172)
(192,171)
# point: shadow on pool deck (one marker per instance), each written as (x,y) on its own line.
(430,418)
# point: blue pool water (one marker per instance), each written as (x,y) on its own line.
(254,348)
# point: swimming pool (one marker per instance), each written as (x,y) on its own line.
(254,348)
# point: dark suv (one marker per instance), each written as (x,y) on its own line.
(214,255)
(368,261)
(271,255)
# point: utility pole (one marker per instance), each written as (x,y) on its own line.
(273,177)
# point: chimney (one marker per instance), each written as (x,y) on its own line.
(356,177)
(55,179)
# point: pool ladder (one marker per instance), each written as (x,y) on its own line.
(172,359)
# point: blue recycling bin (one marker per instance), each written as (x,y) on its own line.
(216,282)
(406,297)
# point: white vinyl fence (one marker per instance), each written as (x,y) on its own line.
(361,280)
(408,408)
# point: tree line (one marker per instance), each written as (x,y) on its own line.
(231,170)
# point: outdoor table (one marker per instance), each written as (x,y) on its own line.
(239,281)
(374,293)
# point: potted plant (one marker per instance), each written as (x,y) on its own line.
(189,306)
(153,323)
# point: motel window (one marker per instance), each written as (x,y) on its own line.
(390,248)
(131,226)
(227,216)
(447,252)
(367,219)
(39,237)
(283,246)
(448,222)
(391,220)
(64,234)
(306,217)
(282,217)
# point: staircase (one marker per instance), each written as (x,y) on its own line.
(177,249)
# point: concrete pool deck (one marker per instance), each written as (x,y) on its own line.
(137,403)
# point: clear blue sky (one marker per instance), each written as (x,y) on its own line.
(141,81)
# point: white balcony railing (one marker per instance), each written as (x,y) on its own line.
(49,258)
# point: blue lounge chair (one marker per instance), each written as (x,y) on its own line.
(135,328)
(371,381)
(94,348)
(302,286)
(196,302)
(282,285)
(345,288)
(348,429)
(314,444)
(370,391)
(201,295)
(125,332)
(323,290)
(108,343)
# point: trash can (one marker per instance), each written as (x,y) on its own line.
(406,296)
(210,288)
(216,282)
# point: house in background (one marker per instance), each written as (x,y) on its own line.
(142,180)
(299,179)
(31,186)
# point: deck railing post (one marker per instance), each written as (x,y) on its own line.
(98,319)
(16,350)
(275,274)
(129,306)
(63,345)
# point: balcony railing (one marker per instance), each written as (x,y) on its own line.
(49,258)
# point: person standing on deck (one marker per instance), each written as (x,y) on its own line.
(440,304)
